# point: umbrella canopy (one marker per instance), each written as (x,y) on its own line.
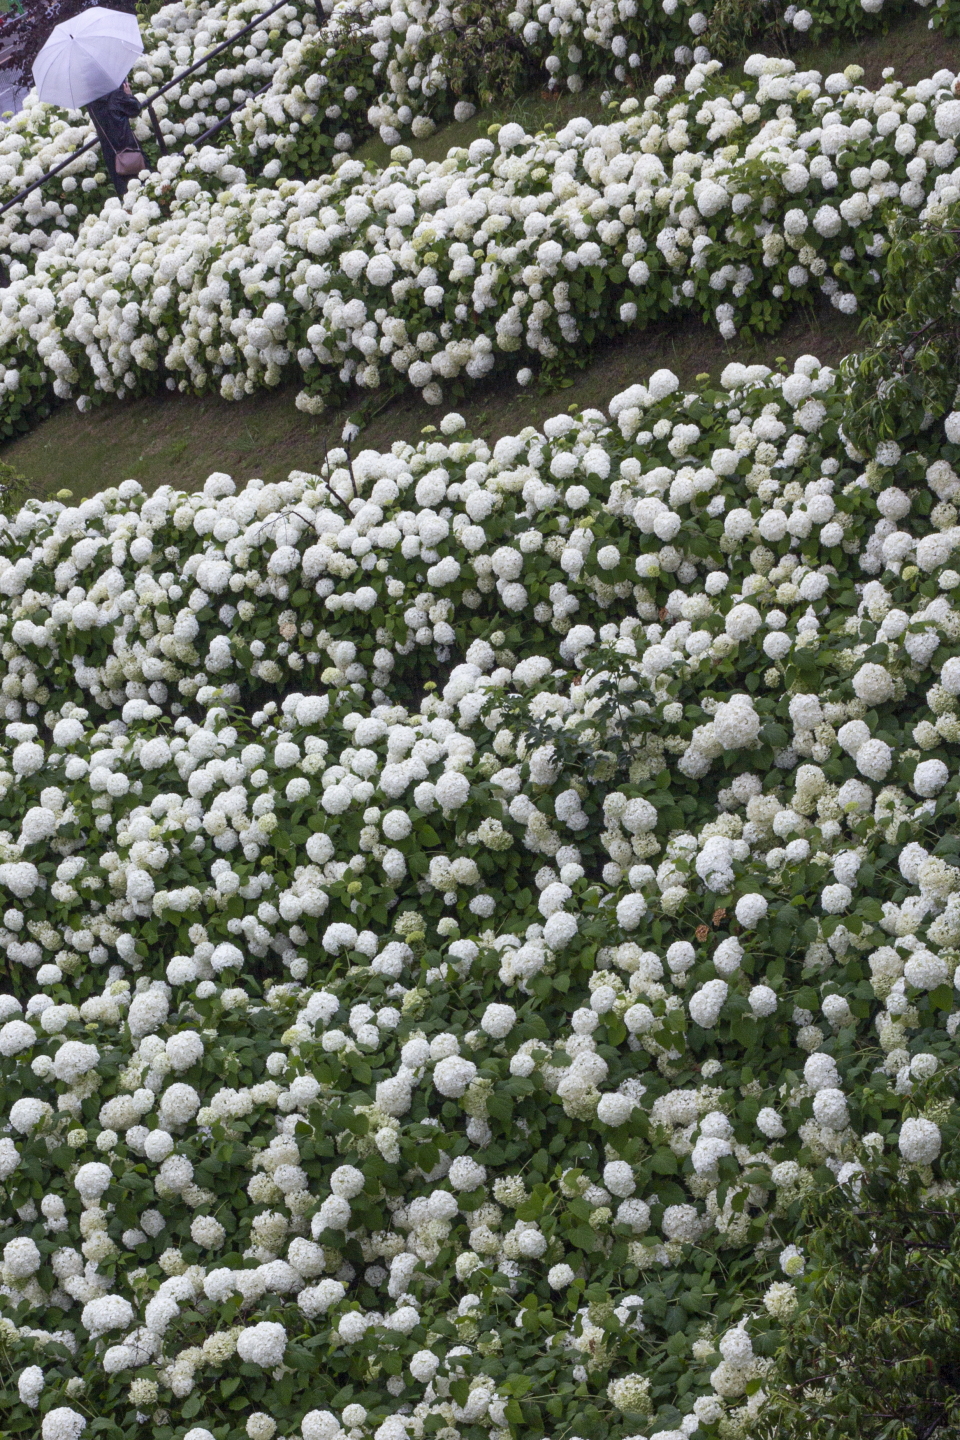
(87,57)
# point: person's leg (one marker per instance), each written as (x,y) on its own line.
(106,152)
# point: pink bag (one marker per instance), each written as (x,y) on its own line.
(129,162)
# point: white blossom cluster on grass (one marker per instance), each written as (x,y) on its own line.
(302,90)
(584,40)
(427,274)
(457,905)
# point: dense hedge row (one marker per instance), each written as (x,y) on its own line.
(310,82)
(734,203)
(448,1049)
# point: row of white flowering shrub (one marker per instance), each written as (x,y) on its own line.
(42,136)
(320,88)
(368,67)
(456,907)
(422,274)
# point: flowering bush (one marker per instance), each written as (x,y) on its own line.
(42,136)
(368,280)
(458,905)
(894,1321)
(305,93)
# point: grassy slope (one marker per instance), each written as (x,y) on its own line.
(180,440)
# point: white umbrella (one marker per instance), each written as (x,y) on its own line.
(87,57)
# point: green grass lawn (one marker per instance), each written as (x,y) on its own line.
(179,440)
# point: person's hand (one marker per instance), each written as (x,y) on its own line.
(126,87)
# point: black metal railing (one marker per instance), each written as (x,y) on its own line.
(148,107)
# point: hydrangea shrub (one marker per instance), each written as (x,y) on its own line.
(511,251)
(456,908)
(311,81)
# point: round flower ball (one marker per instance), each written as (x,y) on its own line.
(736,1346)
(820,1072)
(750,910)
(930,777)
(681,1222)
(559,1277)
(207,1232)
(873,684)
(919,1141)
(396,824)
(926,971)
(466,1174)
(630,911)
(67,732)
(874,758)
(727,956)
(21,1258)
(92,1179)
(830,1109)
(618,1178)
(950,675)
(680,957)
(706,1004)
(453,1074)
(924,1066)
(762,1000)
(30,1385)
(770,1124)
(107,1312)
(560,930)
(62,1423)
(631,1394)
(638,1020)
(262,1344)
(614,1109)
(424,1365)
(347,1181)
(261,1426)
(836,898)
(498,1021)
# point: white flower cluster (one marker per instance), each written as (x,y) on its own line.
(358,1013)
(304,79)
(429,275)
(42,136)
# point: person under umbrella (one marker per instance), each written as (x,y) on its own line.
(84,62)
(111,115)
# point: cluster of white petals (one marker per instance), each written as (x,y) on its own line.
(447,896)
(710,196)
